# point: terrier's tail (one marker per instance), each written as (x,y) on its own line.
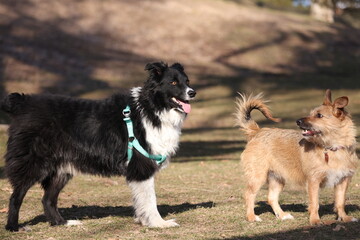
(245,104)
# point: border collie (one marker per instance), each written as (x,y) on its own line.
(51,138)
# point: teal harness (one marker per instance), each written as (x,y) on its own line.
(134,143)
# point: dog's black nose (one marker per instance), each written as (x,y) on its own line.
(299,121)
(191,93)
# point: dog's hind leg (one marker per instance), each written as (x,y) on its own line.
(339,205)
(250,195)
(275,188)
(16,200)
(253,186)
(144,201)
(52,185)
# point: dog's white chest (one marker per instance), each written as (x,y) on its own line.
(164,140)
(335,176)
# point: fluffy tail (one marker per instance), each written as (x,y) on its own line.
(245,104)
(13,103)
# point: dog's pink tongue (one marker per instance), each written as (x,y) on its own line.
(185,106)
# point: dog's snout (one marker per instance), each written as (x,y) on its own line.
(191,93)
(300,121)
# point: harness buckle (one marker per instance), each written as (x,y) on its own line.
(126,113)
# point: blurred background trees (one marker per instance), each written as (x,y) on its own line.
(323,10)
(92,49)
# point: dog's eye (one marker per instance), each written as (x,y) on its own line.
(319,115)
(187,82)
(174,83)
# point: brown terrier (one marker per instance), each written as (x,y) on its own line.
(322,155)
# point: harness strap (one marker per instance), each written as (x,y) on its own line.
(134,143)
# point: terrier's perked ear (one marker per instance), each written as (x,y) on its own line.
(327,100)
(339,105)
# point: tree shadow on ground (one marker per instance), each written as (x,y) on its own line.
(73,57)
(198,150)
(334,65)
(335,230)
(97,212)
(338,230)
(264,207)
(2,173)
(65,61)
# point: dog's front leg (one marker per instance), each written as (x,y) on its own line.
(144,202)
(339,206)
(313,192)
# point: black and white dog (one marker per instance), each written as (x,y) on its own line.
(51,138)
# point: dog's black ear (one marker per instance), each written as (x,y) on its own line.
(178,66)
(327,100)
(156,68)
(339,105)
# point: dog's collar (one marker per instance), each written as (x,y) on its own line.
(334,148)
(331,148)
(134,143)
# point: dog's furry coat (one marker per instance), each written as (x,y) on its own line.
(324,155)
(51,138)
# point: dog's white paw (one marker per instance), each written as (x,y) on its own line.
(348,219)
(164,224)
(258,219)
(287,216)
(137,220)
(73,223)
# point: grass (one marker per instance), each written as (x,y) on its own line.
(96,51)
(202,188)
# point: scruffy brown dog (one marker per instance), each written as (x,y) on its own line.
(322,155)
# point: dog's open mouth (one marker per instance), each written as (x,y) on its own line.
(183,105)
(310,132)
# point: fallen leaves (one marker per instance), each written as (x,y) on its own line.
(4,210)
(7,189)
(339,227)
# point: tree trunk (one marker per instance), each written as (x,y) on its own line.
(323,10)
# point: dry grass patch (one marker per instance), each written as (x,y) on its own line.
(93,48)
(202,189)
